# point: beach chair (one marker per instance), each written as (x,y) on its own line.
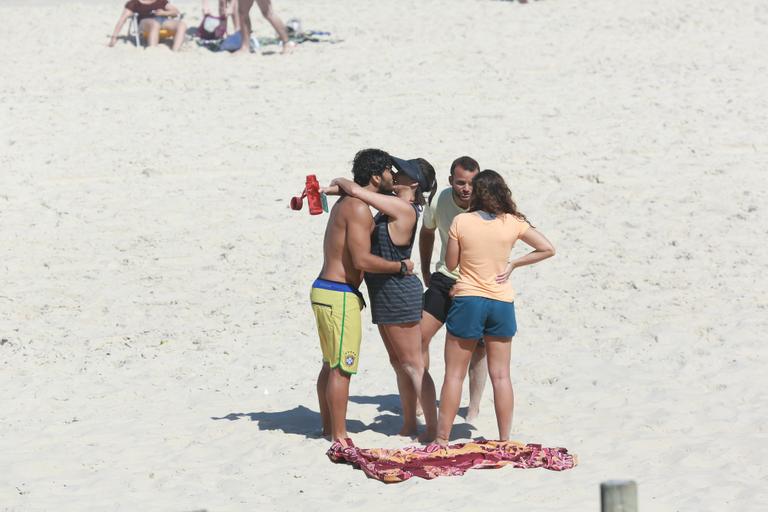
(134,33)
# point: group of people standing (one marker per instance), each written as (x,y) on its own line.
(156,15)
(469,292)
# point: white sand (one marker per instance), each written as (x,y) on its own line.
(154,280)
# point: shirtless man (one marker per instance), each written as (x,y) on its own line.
(336,300)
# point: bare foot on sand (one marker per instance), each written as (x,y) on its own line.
(288,47)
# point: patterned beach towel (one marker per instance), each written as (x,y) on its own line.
(398,465)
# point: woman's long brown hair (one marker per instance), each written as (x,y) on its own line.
(491,194)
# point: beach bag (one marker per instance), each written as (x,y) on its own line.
(212,27)
(232,42)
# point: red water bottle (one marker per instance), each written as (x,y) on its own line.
(312,190)
(314,198)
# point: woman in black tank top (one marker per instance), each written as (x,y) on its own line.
(396,300)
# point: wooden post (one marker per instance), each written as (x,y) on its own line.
(618,496)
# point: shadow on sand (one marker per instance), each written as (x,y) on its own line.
(305,422)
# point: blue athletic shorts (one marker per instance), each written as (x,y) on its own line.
(474,317)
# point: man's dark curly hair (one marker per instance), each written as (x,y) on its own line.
(370,162)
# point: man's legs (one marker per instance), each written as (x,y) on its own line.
(322,386)
(478,375)
(337,395)
(429,327)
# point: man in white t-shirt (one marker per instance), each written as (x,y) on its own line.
(437,301)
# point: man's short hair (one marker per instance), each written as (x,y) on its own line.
(465,162)
(370,162)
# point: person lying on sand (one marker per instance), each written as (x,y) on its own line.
(336,300)
(153,16)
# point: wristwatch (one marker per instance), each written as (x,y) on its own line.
(403,268)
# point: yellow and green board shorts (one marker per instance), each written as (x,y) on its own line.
(337,309)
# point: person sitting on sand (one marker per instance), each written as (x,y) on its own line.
(396,301)
(244,10)
(153,16)
(336,300)
(480,242)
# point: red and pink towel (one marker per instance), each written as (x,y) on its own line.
(398,465)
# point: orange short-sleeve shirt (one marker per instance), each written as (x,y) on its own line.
(485,243)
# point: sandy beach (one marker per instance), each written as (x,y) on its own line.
(158,349)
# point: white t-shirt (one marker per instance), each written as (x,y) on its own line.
(440,216)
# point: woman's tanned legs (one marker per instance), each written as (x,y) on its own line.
(265,6)
(180,29)
(458,352)
(478,368)
(150,27)
(269,14)
(499,355)
(405,340)
(404,388)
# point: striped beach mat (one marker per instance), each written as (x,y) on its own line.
(432,461)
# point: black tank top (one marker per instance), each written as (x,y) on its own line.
(382,244)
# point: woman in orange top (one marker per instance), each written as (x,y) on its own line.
(480,242)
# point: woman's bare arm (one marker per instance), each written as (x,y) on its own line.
(542,249)
(127,13)
(392,206)
(170,10)
(331,190)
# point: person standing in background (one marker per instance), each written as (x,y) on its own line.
(265,6)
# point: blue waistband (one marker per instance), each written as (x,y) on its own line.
(336,286)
